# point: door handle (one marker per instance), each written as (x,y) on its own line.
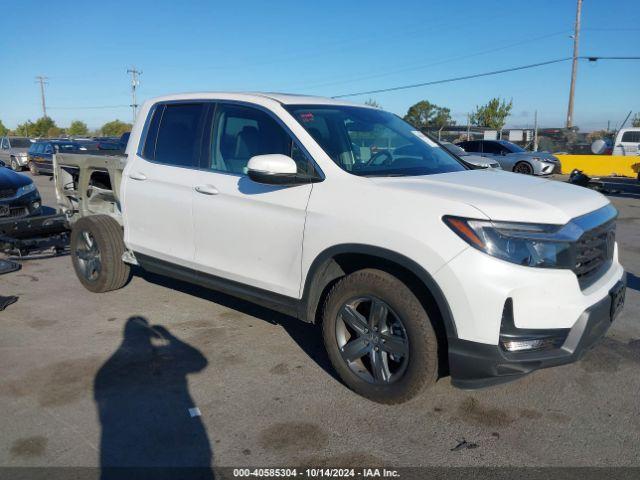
(206,189)
(137,176)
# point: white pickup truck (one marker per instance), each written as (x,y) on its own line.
(416,264)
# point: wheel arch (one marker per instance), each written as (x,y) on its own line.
(340,260)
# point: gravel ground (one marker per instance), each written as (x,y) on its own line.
(84,379)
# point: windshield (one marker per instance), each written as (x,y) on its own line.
(370,142)
(20,142)
(455,149)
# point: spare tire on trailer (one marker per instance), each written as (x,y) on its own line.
(97,247)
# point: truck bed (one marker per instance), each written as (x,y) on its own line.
(88,184)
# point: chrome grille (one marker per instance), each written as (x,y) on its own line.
(594,249)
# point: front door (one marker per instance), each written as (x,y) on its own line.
(245,231)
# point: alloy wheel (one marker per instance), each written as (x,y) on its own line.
(88,255)
(372,340)
(524,168)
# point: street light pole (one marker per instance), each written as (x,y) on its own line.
(574,66)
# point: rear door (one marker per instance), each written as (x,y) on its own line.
(158,183)
(246,231)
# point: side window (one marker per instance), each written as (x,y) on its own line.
(472,147)
(631,137)
(240,133)
(491,147)
(179,134)
(5,144)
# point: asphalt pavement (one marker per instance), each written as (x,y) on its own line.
(162,372)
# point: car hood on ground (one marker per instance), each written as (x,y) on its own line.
(504,195)
(11,179)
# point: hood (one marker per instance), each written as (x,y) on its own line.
(11,179)
(19,150)
(503,195)
(540,155)
(478,160)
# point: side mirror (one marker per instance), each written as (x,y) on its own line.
(273,169)
(503,153)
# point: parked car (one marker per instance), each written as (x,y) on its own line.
(13,152)
(477,160)
(514,158)
(41,154)
(413,264)
(627,142)
(19,196)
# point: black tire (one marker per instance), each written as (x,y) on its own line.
(106,234)
(33,169)
(523,167)
(421,366)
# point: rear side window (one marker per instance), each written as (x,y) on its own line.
(175,133)
(631,137)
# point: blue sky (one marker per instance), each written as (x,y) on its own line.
(322,48)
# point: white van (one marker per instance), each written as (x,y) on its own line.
(627,142)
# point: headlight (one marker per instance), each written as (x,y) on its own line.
(25,189)
(528,244)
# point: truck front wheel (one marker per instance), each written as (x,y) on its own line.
(96,251)
(378,337)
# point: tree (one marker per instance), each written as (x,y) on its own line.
(425,114)
(492,115)
(39,128)
(635,121)
(3,130)
(115,128)
(25,129)
(78,129)
(55,132)
(372,103)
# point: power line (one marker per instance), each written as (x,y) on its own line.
(42,80)
(449,59)
(89,107)
(454,79)
(485,74)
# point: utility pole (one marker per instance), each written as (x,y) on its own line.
(574,66)
(535,131)
(468,126)
(42,81)
(134,84)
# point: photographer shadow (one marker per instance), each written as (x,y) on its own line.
(143,401)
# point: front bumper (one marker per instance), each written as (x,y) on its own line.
(475,365)
(25,205)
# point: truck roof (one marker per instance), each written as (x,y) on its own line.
(255,97)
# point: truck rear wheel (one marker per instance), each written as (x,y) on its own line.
(96,251)
(379,338)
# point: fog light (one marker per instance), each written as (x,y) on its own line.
(532,344)
(35,205)
(513,339)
